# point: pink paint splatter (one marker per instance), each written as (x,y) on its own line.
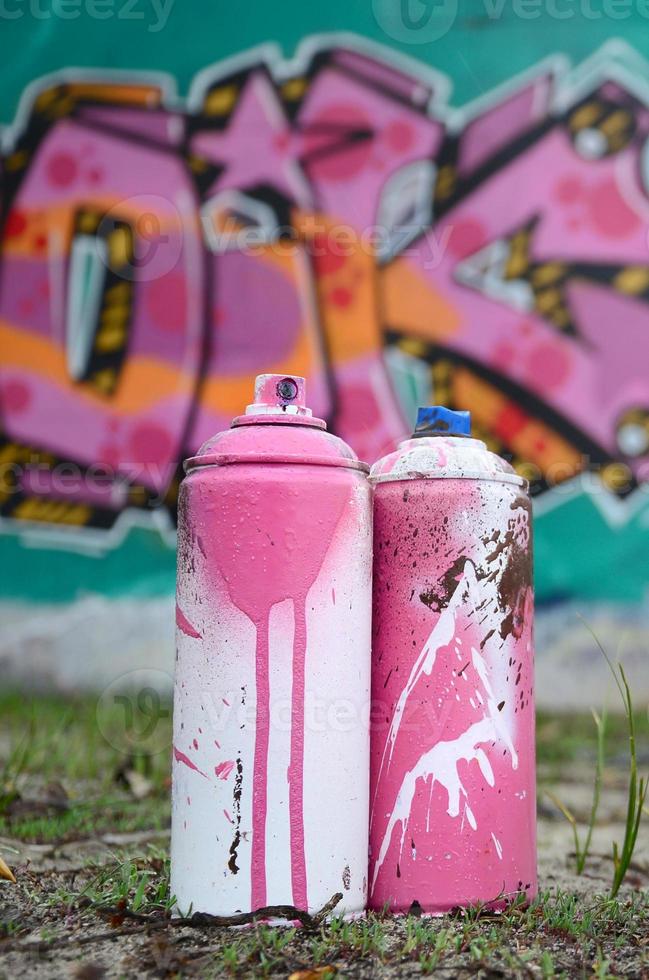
(467,236)
(503,355)
(167,302)
(62,169)
(149,443)
(183,624)
(326,260)
(341,296)
(568,189)
(549,365)
(15,224)
(224,769)
(186,761)
(399,135)
(16,396)
(609,213)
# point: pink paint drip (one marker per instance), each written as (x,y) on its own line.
(260,784)
(296,764)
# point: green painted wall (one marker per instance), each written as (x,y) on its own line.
(489,42)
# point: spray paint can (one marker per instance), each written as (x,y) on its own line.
(452,789)
(272,681)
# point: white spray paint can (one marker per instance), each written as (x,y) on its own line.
(271,703)
(453,805)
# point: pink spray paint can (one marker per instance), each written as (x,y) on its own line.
(272,683)
(452,790)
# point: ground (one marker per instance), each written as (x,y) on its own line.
(84,815)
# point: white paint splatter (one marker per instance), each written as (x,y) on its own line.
(440,763)
(499,847)
(441,635)
(497,719)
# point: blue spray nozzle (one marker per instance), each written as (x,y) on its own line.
(435,420)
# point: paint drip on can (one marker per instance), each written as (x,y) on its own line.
(452,790)
(271,727)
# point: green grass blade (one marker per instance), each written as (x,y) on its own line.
(600,724)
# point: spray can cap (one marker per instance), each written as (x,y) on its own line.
(277,428)
(436,420)
(277,394)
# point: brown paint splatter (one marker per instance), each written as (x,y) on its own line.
(512,589)
(236,806)
(485,638)
(438,597)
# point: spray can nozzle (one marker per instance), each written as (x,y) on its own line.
(287,389)
(279,393)
(436,420)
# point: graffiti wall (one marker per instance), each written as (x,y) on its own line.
(331,216)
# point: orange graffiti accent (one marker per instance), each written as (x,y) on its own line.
(411,306)
(145,96)
(525,436)
(34,234)
(144,381)
(48,231)
(345,275)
